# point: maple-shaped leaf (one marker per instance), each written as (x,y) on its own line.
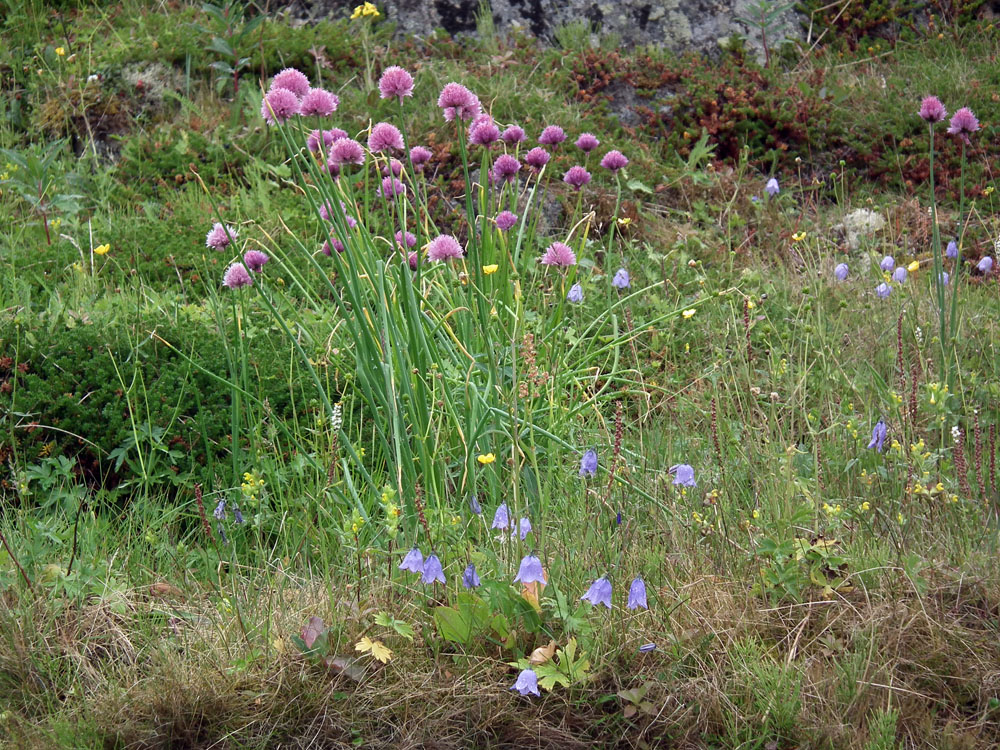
(312,631)
(375,648)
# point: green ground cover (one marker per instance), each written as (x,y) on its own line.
(760,490)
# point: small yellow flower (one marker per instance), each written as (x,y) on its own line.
(799,236)
(866,506)
(756,513)
(486,458)
(61,51)
(915,265)
(624,221)
(988,191)
(102,249)
(491,268)
(688,313)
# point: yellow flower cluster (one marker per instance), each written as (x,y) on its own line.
(368,9)
(252,484)
(832,510)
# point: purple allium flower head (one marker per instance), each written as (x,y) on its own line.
(347,151)
(475,506)
(457,101)
(899,275)
(395,82)
(932,110)
(952,250)
(527,683)
(220,510)
(647,648)
(419,156)
(621,279)
(599,593)
(963,123)
(513,135)
(384,136)
(614,160)
(291,79)
(888,263)
(523,528)
(588,463)
(944,278)
(411,239)
(236,276)
(637,595)
(577,177)
(470,579)
(395,166)
(333,168)
(558,254)
(413,562)
(219,236)
(278,106)
(537,158)
(413,259)
(841,271)
(772,187)
(505,220)
(683,475)
(483,131)
(506,167)
(432,570)
(575,294)
(444,247)
(326,214)
(391,187)
(883,290)
(553,135)
(878,436)
(501,519)
(337,245)
(237,515)
(587,142)
(255,260)
(313,140)
(985,265)
(530,571)
(319,102)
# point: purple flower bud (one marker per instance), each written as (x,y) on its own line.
(878,436)
(899,275)
(621,279)
(985,265)
(952,250)
(840,272)
(470,579)
(637,595)
(575,293)
(474,505)
(501,519)
(588,463)
(599,593)
(220,510)
(772,187)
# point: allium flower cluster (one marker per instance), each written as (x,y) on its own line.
(483,131)
(347,151)
(457,101)
(505,220)
(236,276)
(395,82)
(513,135)
(419,156)
(506,168)
(553,135)
(319,103)
(279,106)
(932,110)
(558,254)
(963,124)
(587,142)
(219,236)
(444,247)
(255,260)
(614,160)
(385,136)
(577,177)
(537,158)
(291,79)
(391,187)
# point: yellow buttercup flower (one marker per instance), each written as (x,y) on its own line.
(688,313)
(102,249)
(60,51)
(486,458)
(491,268)
(368,9)
(913,266)
(799,236)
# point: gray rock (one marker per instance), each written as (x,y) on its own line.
(679,25)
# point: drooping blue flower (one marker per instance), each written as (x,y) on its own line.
(588,463)
(841,271)
(475,506)
(945,278)
(413,562)
(621,280)
(470,579)
(530,570)
(637,595)
(222,533)
(952,250)
(899,275)
(527,683)
(985,265)
(220,510)
(647,648)
(618,519)
(772,187)
(683,475)
(883,290)
(501,519)
(878,436)
(432,570)
(524,528)
(575,293)
(237,516)
(599,593)
(888,263)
